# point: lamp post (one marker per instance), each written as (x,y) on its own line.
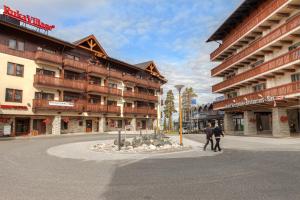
(179,87)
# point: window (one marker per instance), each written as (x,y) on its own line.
(45,72)
(71,96)
(72,57)
(12,95)
(294,46)
(295,77)
(259,87)
(15,69)
(42,95)
(17,45)
(112,85)
(111,103)
(257,63)
(232,95)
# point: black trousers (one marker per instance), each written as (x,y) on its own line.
(218,144)
(211,143)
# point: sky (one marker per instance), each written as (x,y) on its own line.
(172,33)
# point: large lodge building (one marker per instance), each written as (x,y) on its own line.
(259,53)
(50,86)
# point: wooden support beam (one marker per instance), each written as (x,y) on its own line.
(250,38)
(297,36)
(286,42)
(294,6)
(261,79)
(272,21)
(238,46)
(282,14)
(257,32)
(276,47)
(267,51)
(289,70)
(269,76)
(244,42)
(297,66)
(278,73)
(259,56)
(265,27)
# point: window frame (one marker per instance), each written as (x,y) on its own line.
(15,65)
(13,95)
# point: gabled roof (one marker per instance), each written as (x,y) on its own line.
(91,43)
(151,68)
(246,7)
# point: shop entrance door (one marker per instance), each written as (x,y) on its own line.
(264,122)
(22,126)
(39,126)
(88,125)
(144,124)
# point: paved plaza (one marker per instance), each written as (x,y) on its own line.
(248,168)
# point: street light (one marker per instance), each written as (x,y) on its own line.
(179,87)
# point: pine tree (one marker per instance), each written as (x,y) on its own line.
(169,108)
(187,97)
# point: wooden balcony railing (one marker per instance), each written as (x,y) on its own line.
(115,74)
(258,44)
(48,57)
(90,107)
(140,95)
(75,64)
(141,82)
(139,110)
(51,81)
(289,57)
(113,109)
(102,71)
(282,90)
(43,104)
(97,88)
(257,16)
(115,91)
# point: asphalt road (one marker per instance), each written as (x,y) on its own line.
(27,172)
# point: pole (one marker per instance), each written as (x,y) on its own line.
(119,140)
(180,120)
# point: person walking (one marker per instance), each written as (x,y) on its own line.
(217,132)
(209,133)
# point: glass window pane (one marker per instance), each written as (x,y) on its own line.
(20,46)
(19,70)
(18,95)
(10,68)
(12,44)
(9,95)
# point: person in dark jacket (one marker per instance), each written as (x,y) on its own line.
(218,132)
(209,133)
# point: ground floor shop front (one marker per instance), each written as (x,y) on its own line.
(14,125)
(277,122)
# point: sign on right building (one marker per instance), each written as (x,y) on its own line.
(259,63)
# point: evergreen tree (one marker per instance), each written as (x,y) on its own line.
(169,108)
(187,97)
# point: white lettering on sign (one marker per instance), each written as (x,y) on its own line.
(61,103)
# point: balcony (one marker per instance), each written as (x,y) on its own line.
(115,74)
(99,70)
(139,111)
(113,109)
(271,37)
(260,70)
(114,92)
(98,108)
(140,95)
(74,64)
(97,89)
(50,81)
(274,93)
(253,20)
(46,105)
(48,58)
(141,82)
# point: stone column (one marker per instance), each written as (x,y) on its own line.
(249,123)
(56,127)
(280,125)
(228,123)
(102,125)
(133,124)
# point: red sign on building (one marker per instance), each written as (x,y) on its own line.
(33,21)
